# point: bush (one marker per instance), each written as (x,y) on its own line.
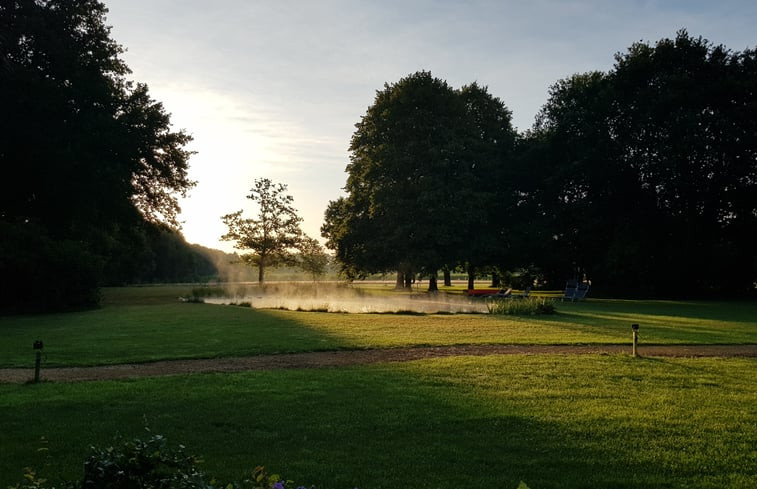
(41,274)
(150,464)
(153,464)
(525,307)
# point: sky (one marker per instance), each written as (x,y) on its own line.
(273,88)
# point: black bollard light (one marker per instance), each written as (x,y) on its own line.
(38,360)
(635,329)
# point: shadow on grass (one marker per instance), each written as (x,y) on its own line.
(332,429)
(487,422)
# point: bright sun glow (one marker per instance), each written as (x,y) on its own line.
(231,151)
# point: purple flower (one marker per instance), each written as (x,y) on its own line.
(278,485)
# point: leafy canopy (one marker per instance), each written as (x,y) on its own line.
(423,172)
(652,169)
(274,235)
(86,145)
(91,163)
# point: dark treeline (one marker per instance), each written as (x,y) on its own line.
(43,273)
(642,179)
(91,168)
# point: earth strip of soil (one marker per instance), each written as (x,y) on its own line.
(353,357)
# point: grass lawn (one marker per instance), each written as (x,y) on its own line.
(149,323)
(551,421)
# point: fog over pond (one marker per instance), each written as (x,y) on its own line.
(340,298)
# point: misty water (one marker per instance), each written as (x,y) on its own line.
(349,299)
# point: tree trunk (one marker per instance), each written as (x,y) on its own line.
(400,284)
(496,282)
(261,274)
(432,285)
(447,278)
(408,281)
(471,277)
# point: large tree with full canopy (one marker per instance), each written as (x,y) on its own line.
(422,178)
(485,187)
(653,169)
(88,156)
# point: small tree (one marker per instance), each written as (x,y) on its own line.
(274,236)
(313,259)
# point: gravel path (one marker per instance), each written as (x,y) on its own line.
(354,357)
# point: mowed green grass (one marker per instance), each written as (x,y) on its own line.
(143,324)
(553,421)
(548,420)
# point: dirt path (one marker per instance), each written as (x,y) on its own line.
(354,357)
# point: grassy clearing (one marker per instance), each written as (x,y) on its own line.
(149,323)
(551,421)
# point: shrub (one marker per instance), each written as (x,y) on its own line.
(149,464)
(39,273)
(153,464)
(525,307)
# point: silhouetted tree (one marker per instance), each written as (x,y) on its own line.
(88,154)
(650,169)
(422,180)
(484,191)
(274,236)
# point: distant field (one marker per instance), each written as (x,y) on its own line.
(142,324)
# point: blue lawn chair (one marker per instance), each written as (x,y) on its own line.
(581,291)
(571,287)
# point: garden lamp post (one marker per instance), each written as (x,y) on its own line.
(38,360)
(635,329)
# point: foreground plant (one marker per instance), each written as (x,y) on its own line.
(150,464)
(154,464)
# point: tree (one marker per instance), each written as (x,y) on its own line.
(580,192)
(403,156)
(274,236)
(484,186)
(652,169)
(91,153)
(312,259)
(688,132)
(72,116)
(347,227)
(422,177)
